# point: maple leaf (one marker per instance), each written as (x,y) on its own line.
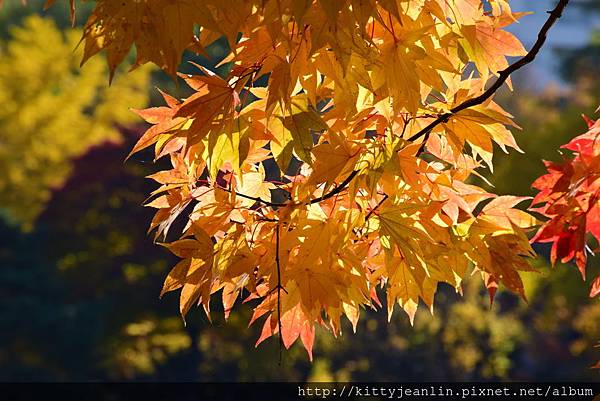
(300,118)
(193,273)
(116,26)
(488,46)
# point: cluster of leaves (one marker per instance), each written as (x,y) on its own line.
(374,116)
(38,78)
(350,89)
(569,195)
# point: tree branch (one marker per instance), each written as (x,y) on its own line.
(385,197)
(503,76)
(254,198)
(337,189)
(328,195)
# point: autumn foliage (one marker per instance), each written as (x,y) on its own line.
(333,164)
(569,196)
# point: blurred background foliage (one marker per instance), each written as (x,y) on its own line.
(52,111)
(80,286)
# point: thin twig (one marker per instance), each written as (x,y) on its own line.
(376,207)
(503,76)
(254,198)
(278,290)
(328,195)
(337,189)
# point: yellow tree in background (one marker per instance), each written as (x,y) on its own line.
(52,111)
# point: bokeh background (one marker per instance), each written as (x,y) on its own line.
(79,277)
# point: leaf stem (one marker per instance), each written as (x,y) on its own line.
(278,264)
(385,197)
